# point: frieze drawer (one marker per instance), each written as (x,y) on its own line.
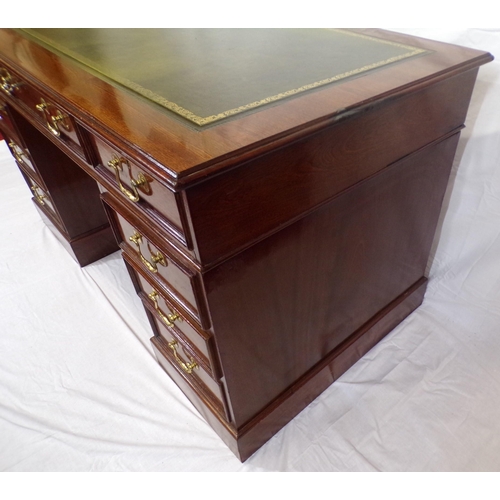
(137,186)
(50,114)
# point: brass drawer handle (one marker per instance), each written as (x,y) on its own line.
(141,182)
(169,319)
(53,122)
(187,367)
(7,83)
(156,258)
(39,197)
(17,152)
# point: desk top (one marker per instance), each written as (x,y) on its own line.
(180,151)
(206,75)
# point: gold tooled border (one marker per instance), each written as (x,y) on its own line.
(199,120)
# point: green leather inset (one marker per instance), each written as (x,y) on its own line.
(207,75)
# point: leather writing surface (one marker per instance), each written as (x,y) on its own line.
(206,75)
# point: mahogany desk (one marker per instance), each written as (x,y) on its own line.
(275,193)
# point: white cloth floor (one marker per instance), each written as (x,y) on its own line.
(80,389)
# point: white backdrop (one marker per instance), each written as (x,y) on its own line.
(80,389)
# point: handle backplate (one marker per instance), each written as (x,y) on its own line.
(156,257)
(186,367)
(54,118)
(116,163)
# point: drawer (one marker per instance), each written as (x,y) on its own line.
(137,186)
(177,363)
(47,112)
(186,358)
(22,156)
(41,196)
(154,258)
(199,342)
(6,123)
(158,299)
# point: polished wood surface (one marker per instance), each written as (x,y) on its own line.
(259,430)
(75,194)
(66,197)
(289,301)
(250,202)
(271,250)
(179,153)
(7,125)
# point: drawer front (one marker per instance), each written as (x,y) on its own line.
(6,124)
(185,358)
(41,196)
(170,356)
(179,282)
(22,156)
(48,113)
(139,187)
(200,342)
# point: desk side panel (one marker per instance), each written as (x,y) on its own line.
(285,304)
(234,210)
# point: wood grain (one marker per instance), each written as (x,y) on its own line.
(284,304)
(234,209)
(297,235)
(176,150)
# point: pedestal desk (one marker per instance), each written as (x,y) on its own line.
(274,193)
